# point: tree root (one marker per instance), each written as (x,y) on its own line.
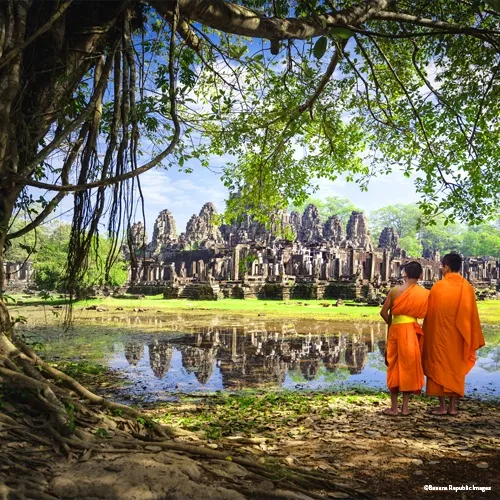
(54,373)
(290,479)
(45,397)
(20,490)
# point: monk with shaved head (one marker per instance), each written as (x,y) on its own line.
(403,306)
(452,335)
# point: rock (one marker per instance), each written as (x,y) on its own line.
(416,461)
(482,465)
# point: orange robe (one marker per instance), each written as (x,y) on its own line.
(404,342)
(452,336)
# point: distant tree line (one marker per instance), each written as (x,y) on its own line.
(47,249)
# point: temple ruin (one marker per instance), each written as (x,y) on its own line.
(297,256)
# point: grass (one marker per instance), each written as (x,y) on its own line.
(489,310)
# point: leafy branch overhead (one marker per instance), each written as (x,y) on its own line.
(292,92)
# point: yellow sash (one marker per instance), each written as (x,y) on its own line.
(401,318)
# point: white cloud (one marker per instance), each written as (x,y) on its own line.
(182,194)
(382,191)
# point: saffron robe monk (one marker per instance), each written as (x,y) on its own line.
(452,335)
(403,306)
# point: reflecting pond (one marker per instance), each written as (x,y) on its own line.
(161,356)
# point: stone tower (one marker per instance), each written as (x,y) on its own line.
(312,227)
(357,234)
(333,230)
(389,239)
(202,228)
(164,232)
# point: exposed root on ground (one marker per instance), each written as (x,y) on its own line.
(47,418)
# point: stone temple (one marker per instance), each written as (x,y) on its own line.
(298,256)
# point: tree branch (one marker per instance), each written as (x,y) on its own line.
(325,79)
(40,31)
(430,23)
(238,20)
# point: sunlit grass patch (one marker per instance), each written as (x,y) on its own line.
(324,309)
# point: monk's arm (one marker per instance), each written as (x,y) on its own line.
(385,312)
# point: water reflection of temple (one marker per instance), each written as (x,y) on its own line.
(134,352)
(259,357)
(200,361)
(160,357)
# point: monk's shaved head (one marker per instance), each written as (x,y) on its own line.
(453,261)
(413,270)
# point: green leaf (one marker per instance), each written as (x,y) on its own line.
(340,32)
(494,4)
(320,47)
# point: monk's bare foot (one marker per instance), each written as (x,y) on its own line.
(405,412)
(439,411)
(453,413)
(390,411)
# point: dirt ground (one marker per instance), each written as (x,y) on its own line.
(387,457)
(343,440)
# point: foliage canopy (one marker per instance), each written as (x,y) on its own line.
(94,94)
